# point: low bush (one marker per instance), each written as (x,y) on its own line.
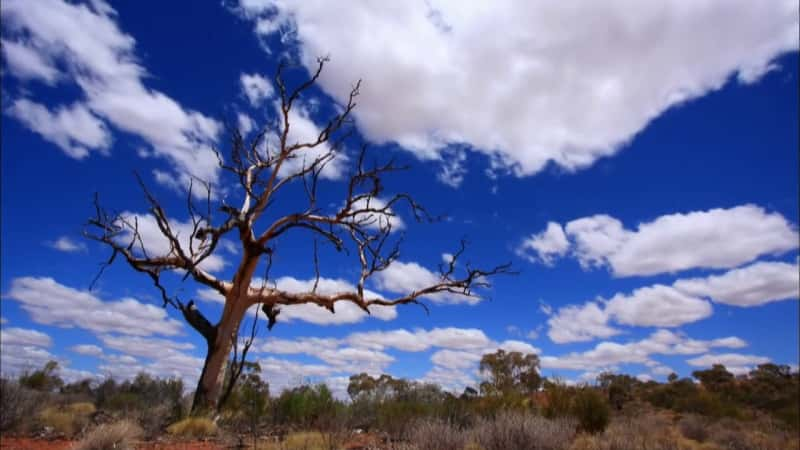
(118,436)
(193,427)
(523,432)
(591,409)
(694,427)
(17,405)
(69,420)
(436,435)
(649,432)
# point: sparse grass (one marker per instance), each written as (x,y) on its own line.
(118,436)
(193,427)
(301,440)
(437,435)
(69,420)
(524,432)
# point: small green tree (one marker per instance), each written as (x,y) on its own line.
(45,379)
(509,373)
(591,410)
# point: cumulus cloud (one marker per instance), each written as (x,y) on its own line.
(256,88)
(23,349)
(87,349)
(346,312)
(405,277)
(547,245)
(302,130)
(421,340)
(659,306)
(99,58)
(753,285)
(25,63)
(717,239)
(538,91)
(67,244)
(23,336)
(156,244)
(74,129)
(609,355)
(579,323)
(51,303)
(245,123)
(736,363)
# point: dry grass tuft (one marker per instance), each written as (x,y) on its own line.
(118,436)
(193,427)
(69,420)
(437,435)
(523,432)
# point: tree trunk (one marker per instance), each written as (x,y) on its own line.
(210,384)
(225,333)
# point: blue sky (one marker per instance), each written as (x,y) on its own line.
(639,169)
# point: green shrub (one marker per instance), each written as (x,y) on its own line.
(559,399)
(591,409)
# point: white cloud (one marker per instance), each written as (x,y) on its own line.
(736,361)
(453,168)
(656,305)
(281,373)
(579,323)
(376,220)
(210,295)
(256,88)
(539,90)
(302,130)
(547,245)
(26,63)
(147,347)
(346,312)
(74,129)
(753,285)
(87,349)
(454,359)
(717,238)
(156,244)
(51,303)
(67,244)
(406,277)
(15,359)
(421,340)
(245,123)
(100,59)
(609,355)
(659,306)
(519,346)
(22,336)
(307,345)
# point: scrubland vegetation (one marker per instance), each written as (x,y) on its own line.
(512,409)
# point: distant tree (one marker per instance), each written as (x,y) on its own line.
(619,388)
(509,372)
(45,379)
(673,377)
(717,379)
(360,223)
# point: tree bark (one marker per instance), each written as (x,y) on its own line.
(219,343)
(210,384)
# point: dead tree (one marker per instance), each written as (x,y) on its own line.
(360,227)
